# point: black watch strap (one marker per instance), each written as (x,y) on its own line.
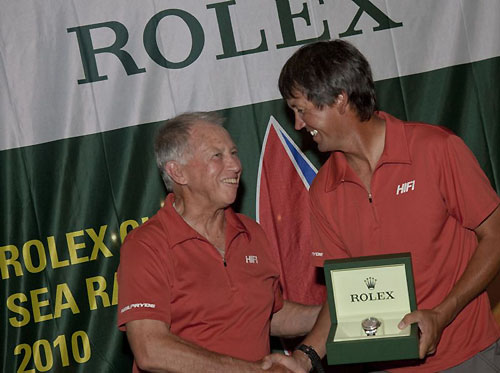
(313,356)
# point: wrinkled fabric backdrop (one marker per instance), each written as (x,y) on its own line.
(84,85)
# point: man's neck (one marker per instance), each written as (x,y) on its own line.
(209,223)
(367,148)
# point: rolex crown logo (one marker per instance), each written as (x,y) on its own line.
(370,283)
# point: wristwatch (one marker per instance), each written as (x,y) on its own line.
(370,325)
(313,356)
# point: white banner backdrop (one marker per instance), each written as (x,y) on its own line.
(207,48)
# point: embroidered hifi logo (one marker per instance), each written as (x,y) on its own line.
(251,259)
(405,187)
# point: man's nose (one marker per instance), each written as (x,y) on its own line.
(234,164)
(299,123)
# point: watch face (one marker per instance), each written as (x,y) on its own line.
(370,325)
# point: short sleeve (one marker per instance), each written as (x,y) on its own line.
(466,189)
(144,288)
(278,296)
(326,244)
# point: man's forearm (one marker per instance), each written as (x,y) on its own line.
(294,320)
(300,362)
(319,334)
(157,350)
(481,270)
(178,355)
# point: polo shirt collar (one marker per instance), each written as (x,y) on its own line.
(395,151)
(180,231)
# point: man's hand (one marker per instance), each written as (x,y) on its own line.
(431,324)
(277,368)
(292,364)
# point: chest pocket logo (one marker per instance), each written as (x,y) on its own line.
(251,259)
(405,187)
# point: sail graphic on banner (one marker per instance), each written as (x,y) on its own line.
(284,177)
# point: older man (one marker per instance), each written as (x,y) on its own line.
(198,290)
(391,186)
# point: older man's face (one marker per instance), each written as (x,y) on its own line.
(213,169)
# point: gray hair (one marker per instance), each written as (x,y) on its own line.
(172,139)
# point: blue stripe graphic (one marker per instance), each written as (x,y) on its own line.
(304,167)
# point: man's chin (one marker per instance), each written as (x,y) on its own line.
(229,200)
(321,148)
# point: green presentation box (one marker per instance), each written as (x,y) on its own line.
(368,297)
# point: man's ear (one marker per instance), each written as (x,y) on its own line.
(175,170)
(342,102)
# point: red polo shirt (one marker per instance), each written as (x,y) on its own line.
(428,193)
(169,272)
